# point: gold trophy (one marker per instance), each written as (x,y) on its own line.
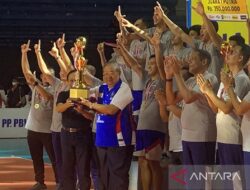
(224,50)
(79,89)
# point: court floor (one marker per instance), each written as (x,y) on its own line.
(16,171)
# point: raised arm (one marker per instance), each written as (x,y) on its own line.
(216,39)
(155,40)
(187,94)
(171,96)
(173,27)
(130,61)
(25,48)
(137,30)
(60,45)
(41,63)
(101,51)
(55,53)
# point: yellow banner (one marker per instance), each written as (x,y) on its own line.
(226,9)
(228,23)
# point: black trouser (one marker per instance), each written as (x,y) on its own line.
(95,166)
(37,141)
(114,166)
(76,153)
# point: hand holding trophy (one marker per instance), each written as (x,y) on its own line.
(224,51)
(79,89)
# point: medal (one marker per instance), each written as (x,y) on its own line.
(36,106)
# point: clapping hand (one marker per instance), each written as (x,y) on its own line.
(227,79)
(204,85)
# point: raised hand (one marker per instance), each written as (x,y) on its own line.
(160,97)
(25,47)
(167,67)
(199,9)
(118,14)
(100,47)
(227,79)
(176,65)
(204,85)
(158,10)
(54,51)
(60,42)
(126,23)
(37,47)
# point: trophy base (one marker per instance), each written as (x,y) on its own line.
(77,93)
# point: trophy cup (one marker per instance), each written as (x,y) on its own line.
(79,89)
(224,50)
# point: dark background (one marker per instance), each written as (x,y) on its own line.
(21,20)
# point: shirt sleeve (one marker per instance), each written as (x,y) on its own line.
(241,87)
(123,97)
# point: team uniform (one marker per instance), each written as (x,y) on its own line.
(39,134)
(229,137)
(174,131)
(56,126)
(245,129)
(137,50)
(115,136)
(150,132)
(198,133)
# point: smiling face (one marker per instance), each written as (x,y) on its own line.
(111,74)
(152,67)
(196,64)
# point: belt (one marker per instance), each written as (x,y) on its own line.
(72,130)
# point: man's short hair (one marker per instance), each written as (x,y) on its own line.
(71,72)
(196,28)
(245,52)
(238,39)
(204,55)
(114,65)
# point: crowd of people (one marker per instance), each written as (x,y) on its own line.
(164,93)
